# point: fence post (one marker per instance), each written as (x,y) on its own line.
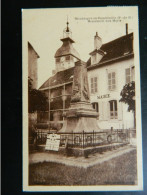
(41,136)
(36,135)
(72,139)
(83,138)
(129,135)
(111,133)
(93,137)
(117,135)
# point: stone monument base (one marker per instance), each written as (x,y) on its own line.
(90,150)
(83,151)
(80,117)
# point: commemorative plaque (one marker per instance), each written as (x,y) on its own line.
(52,142)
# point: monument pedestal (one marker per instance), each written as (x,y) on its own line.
(80,117)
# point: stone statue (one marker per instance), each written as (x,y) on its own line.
(80,83)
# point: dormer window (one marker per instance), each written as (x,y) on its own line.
(97,54)
(93,57)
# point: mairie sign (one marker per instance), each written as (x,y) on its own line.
(103,96)
(52,142)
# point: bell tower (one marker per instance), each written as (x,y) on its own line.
(66,55)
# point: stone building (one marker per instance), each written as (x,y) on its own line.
(110,67)
(32,74)
(32,65)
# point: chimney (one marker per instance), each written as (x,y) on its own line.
(126,28)
(97,42)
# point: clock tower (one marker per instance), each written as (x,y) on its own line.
(66,55)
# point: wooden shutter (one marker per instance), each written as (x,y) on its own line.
(127,72)
(92,85)
(95,84)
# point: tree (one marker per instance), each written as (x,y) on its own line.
(37,101)
(128,97)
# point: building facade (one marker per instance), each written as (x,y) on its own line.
(108,72)
(32,65)
(109,67)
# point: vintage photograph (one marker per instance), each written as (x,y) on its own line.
(81,99)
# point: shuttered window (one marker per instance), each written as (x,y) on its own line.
(112,81)
(94,85)
(129,73)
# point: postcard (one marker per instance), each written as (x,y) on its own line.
(81,99)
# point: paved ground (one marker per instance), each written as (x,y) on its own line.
(79,161)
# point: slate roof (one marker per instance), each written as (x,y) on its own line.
(31,47)
(116,48)
(66,49)
(59,78)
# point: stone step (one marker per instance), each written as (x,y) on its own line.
(83,151)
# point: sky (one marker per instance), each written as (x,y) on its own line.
(43,28)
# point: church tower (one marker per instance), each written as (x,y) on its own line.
(66,55)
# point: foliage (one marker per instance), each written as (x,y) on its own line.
(37,99)
(128,95)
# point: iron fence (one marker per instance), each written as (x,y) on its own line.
(88,139)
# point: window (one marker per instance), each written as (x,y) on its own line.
(111,81)
(67,58)
(95,106)
(113,109)
(57,60)
(129,74)
(94,85)
(93,59)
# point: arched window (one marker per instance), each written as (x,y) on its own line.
(113,109)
